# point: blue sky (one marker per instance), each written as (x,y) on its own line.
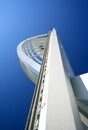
(21,19)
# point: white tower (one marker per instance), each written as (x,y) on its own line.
(58,102)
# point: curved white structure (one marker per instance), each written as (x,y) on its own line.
(30,53)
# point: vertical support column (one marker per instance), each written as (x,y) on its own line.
(62,111)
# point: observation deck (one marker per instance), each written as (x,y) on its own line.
(30,53)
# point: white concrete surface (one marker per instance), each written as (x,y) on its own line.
(59,115)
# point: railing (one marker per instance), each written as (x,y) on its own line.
(34,114)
